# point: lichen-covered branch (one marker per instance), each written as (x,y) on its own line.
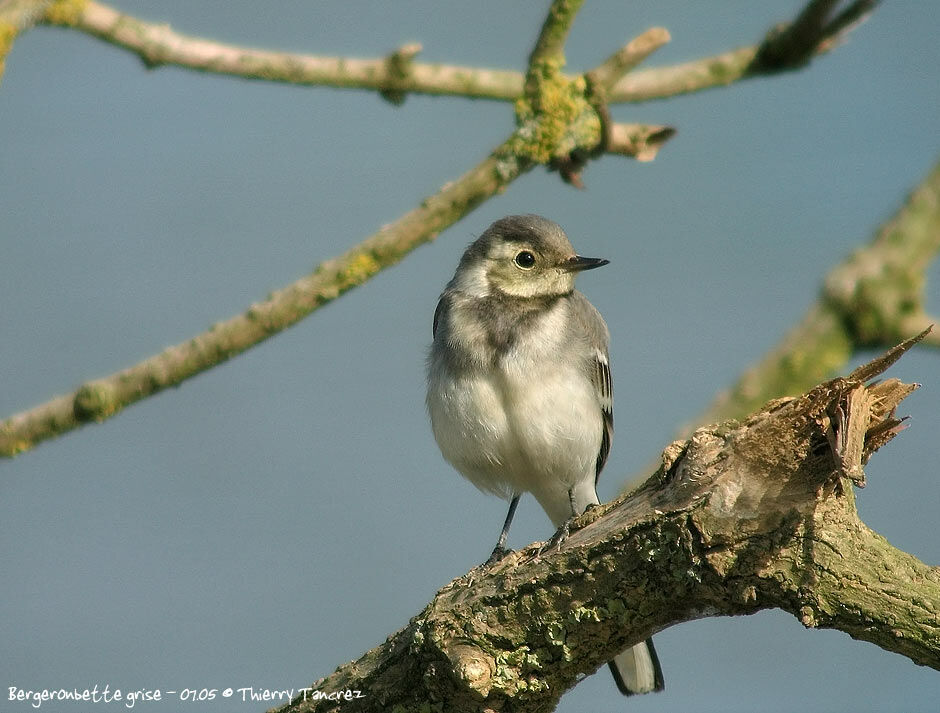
(22,13)
(872,299)
(102,398)
(158,44)
(551,40)
(739,518)
(16,16)
(565,126)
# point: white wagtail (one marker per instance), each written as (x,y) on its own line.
(519,387)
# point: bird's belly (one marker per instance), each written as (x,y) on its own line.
(513,431)
(472,429)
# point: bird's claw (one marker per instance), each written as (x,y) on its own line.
(561,534)
(498,553)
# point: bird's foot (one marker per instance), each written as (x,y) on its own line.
(561,534)
(498,553)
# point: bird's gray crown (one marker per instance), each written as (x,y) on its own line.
(533,230)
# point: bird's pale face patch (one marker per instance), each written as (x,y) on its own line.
(519,268)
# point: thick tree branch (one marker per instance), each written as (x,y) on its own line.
(739,518)
(158,44)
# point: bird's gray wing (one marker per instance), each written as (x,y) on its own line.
(588,320)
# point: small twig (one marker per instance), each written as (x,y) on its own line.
(600,80)
(706,73)
(399,65)
(845,22)
(629,56)
(639,141)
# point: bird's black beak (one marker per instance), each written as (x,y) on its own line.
(578,263)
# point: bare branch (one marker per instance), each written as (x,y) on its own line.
(159,44)
(739,518)
(629,56)
(639,141)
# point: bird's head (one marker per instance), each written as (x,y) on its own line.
(522,256)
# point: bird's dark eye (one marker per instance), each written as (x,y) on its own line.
(525,260)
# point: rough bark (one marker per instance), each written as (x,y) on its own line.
(741,517)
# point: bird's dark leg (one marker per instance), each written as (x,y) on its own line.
(500,551)
(561,534)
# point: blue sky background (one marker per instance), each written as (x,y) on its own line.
(284,513)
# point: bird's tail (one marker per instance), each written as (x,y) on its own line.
(637,670)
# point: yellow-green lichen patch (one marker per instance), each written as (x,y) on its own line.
(7,35)
(360,268)
(65,12)
(14,448)
(556,118)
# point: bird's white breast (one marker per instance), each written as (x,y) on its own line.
(528,422)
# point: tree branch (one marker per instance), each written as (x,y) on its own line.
(615,67)
(16,16)
(739,518)
(786,47)
(559,131)
(158,44)
(102,398)
(558,126)
(814,29)
(871,299)
(551,40)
